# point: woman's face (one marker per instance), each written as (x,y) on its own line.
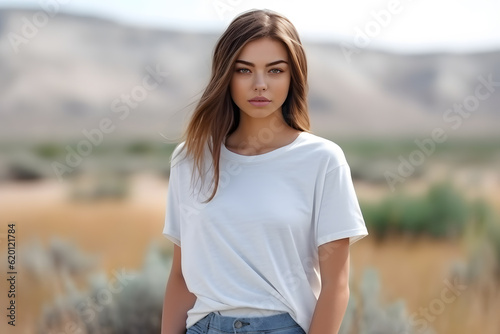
(261,71)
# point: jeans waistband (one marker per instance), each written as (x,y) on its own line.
(249,312)
(247,324)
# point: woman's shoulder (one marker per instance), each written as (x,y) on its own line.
(178,154)
(321,147)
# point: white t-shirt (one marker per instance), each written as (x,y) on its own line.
(253,249)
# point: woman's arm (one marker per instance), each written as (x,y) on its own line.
(178,300)
(334,295)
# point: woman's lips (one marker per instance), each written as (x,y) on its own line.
(259,103)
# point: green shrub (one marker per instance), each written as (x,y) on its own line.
(49,151)
(442,212)
(448,210)
(486,228)
(373,317)
(415,215)
(127,303)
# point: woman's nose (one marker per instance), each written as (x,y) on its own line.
(260,82)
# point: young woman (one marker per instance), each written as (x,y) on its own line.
(265,243)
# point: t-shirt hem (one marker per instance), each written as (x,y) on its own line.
(173,239)
(353,235)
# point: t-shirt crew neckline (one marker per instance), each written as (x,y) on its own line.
(226,153)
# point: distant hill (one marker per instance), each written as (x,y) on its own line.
(69,74)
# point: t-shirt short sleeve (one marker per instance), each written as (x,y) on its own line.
(172,227)
(339,215)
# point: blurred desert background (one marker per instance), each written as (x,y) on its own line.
(91,110)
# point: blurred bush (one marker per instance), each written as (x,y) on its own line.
(128,302)
(376,318)
(484,240)
(442,212)
(100,186)
(366,314)
(132,302)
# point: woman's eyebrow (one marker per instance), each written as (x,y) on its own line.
(252,64)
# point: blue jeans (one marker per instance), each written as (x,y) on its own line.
(215,323)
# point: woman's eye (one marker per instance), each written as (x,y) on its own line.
(246,70)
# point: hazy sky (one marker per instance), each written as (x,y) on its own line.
(412,26)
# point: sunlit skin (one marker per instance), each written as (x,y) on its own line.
(261,69)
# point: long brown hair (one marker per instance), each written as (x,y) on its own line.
(216,115)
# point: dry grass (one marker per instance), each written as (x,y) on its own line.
(120,232)
(415,271)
